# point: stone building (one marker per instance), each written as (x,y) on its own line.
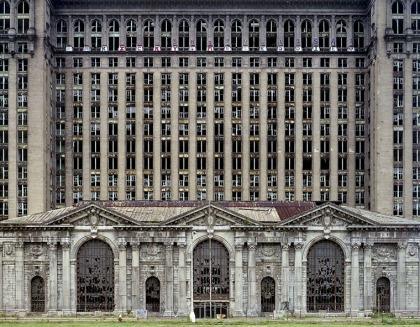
(216,101)
(238,259)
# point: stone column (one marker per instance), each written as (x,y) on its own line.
(280,136)
(103,195)
(316,138)
(122,246)
(122,151)
(139,133)
(210,136)
(227,132)
(20,277)
(245,133)
(1,277)
(169,303)
(156,136)
(284,275)
(174,136)
(66,276)
(238,280)
(86,137)
(192,136)
(135,275)
(299,136)
(182,303)
(334,136)
(355,287)
(368,279)
(252,282)
(298,278)
(401,277)
(52,282)
(263,135)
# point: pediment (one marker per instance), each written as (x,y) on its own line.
(327,216)
(92,215)
(211,215)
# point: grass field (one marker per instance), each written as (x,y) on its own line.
(229,322)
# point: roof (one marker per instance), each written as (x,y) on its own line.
(164,212)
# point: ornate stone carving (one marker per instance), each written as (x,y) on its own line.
(152,252)
(413,250)
(384,252)
(36,250)
(8,249)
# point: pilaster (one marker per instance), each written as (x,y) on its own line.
(65,245)
(252,282)
(401,277)
(182,303)
(367,278)
(52,282)
(122,281)
(169,303)
(20,281)
(298,278)
(238,280)
(355,289)
(135,274)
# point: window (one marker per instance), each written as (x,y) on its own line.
(183,35)
(397,17)
(148,34)
(96,34)
(236,35)
(358,35)
(271,34)
(114,35)
(131,38)
(201,35)
(4,16)
(341,34)
(23,17)
(166,34)
(289,34)
(254,35)
(324,34)
(219,34)
(306,34)
(79,30)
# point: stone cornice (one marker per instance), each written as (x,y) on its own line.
(214,5)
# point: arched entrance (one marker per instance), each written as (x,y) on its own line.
(268,294)
(211,279)
(37,294)
(95,277)
(383,295)
(153,294)
(325,277)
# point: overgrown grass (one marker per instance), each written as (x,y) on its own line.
(113,322)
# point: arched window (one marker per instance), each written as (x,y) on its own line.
(325,277)
(22,17)
(341,34)
(210,279)
(183,35)
(62,30)
(114,35)
(148,34)
(96,34)
(219,34)
(95,277)
(166,34)
(271,34)
(306,34)
(254,35)
(37,294)
(236,35)
(201,35)
(268,294)
(398,17)
(415,16)
(383,295)
(359,35)
(153,294)
(324,34)
(4,16)
(289,34)
(131,34)
(79,34)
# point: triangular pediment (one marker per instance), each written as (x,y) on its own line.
(210,215)
(92,215)
(328,215)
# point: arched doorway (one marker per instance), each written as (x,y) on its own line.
(153,294)
(268,294)
(383,295)
(211,279)
(95,277)
(37,294)
(325,277)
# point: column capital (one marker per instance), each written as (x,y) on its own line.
(368,245)
(298,245)
(168,245)
(122,244)
(285,247)
(52,245)
(239,245)
(135,244)
(65,243)
(402,245)
(19,244)
(252,246)
(182,245)
(355,245)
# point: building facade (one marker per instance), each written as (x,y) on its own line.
(302,101)
(236,259)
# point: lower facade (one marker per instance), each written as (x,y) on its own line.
(232,260)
